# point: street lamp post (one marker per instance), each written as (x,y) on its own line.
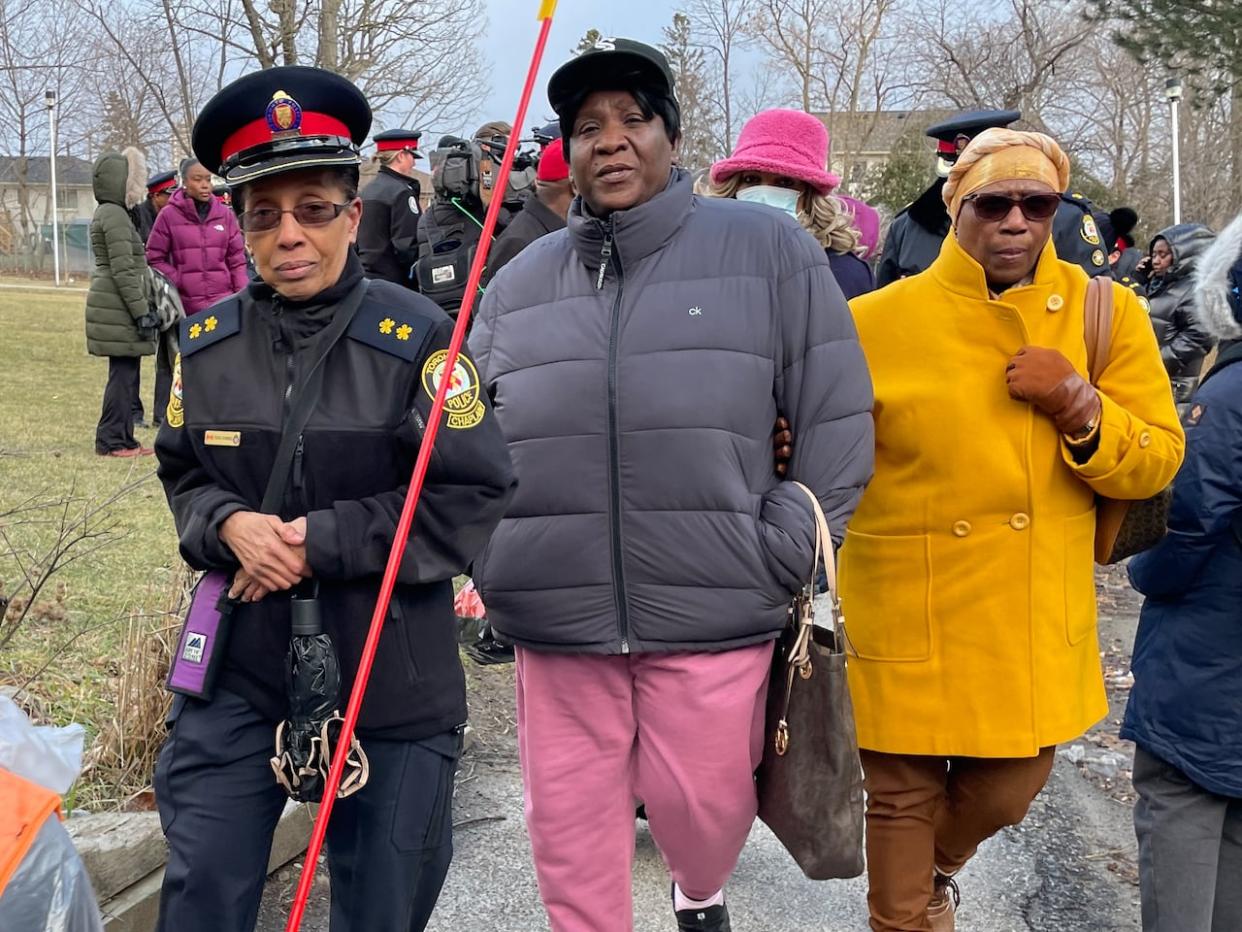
(49,98)
(1173,93)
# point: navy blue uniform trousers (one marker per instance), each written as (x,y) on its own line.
(389,845)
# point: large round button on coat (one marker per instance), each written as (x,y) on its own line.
(1020,521)
(1055,302)
(1144,440)
(961,528)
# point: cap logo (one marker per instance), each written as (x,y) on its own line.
(605,44)
(284,115)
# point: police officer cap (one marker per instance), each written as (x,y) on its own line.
(607,64)
(162,181)
(396,140)
(971,123)
(279,120)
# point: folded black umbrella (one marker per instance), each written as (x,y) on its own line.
(305,740)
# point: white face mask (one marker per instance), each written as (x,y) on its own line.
(785,199)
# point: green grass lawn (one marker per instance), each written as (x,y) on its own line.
(50,393)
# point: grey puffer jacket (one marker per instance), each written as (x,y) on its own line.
(1184,342)
(638,400)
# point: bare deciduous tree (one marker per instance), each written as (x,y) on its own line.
(721,29)
(1013,55)
(700,133)
(40,50)
(417,62)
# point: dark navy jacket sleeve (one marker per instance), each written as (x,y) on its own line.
(469,483)
(1207,493)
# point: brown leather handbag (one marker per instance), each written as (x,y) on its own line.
(1122,528)
(810,780)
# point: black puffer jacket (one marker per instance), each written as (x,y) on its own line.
(1183,340)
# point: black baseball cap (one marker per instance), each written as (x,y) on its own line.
(609,63)
(281,119)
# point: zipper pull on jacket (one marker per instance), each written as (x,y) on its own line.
(605,256)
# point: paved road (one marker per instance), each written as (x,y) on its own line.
(1065,869)
(1049,875)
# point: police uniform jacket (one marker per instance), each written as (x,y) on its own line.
(388,233)
(970,605)
(914,236)
(242,366)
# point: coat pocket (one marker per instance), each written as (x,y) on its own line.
(1079,587)
(886,588)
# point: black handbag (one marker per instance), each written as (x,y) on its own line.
(810,781)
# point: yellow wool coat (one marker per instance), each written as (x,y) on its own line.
(967,571)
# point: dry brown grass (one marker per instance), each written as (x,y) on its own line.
(121,760)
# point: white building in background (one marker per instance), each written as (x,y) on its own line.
(75,204)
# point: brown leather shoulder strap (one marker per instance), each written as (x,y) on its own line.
(1098,324)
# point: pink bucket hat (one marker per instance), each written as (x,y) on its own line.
(784,142)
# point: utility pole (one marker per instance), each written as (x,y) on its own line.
(1173,93)
(49,98)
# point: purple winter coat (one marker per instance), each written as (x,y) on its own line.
(205,259)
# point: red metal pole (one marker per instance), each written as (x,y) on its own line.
(415,491)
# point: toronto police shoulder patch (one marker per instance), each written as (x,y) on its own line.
(392,330)
(463,403)
(210,326)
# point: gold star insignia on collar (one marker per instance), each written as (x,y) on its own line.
(404,331)
(210,324)
(196,331)
(386,325)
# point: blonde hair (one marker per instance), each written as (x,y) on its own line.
(386,157)
(821,215)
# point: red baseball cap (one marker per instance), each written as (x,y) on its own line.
(552,164)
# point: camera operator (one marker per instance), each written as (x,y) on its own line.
(462,173)
(545,210)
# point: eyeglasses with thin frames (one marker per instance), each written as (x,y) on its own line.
(309,214)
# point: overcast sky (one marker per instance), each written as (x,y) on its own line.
(511,38)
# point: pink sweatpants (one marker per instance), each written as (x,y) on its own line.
(681,732)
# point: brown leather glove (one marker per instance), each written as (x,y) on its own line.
(1045,378)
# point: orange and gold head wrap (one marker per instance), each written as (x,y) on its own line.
(1005,155)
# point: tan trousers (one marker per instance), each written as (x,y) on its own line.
(932,813)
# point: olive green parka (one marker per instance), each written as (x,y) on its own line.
(117,296)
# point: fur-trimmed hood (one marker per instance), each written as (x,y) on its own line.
(1213,284)
(136,182)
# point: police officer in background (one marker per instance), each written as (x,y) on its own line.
(388,235)
(364,358)
(160,188)
(544,212)
(915,235)
(463,173)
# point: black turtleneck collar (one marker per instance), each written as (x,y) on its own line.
(637,232)
(294,322)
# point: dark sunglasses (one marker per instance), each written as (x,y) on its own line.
(993,207)
(310,214)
